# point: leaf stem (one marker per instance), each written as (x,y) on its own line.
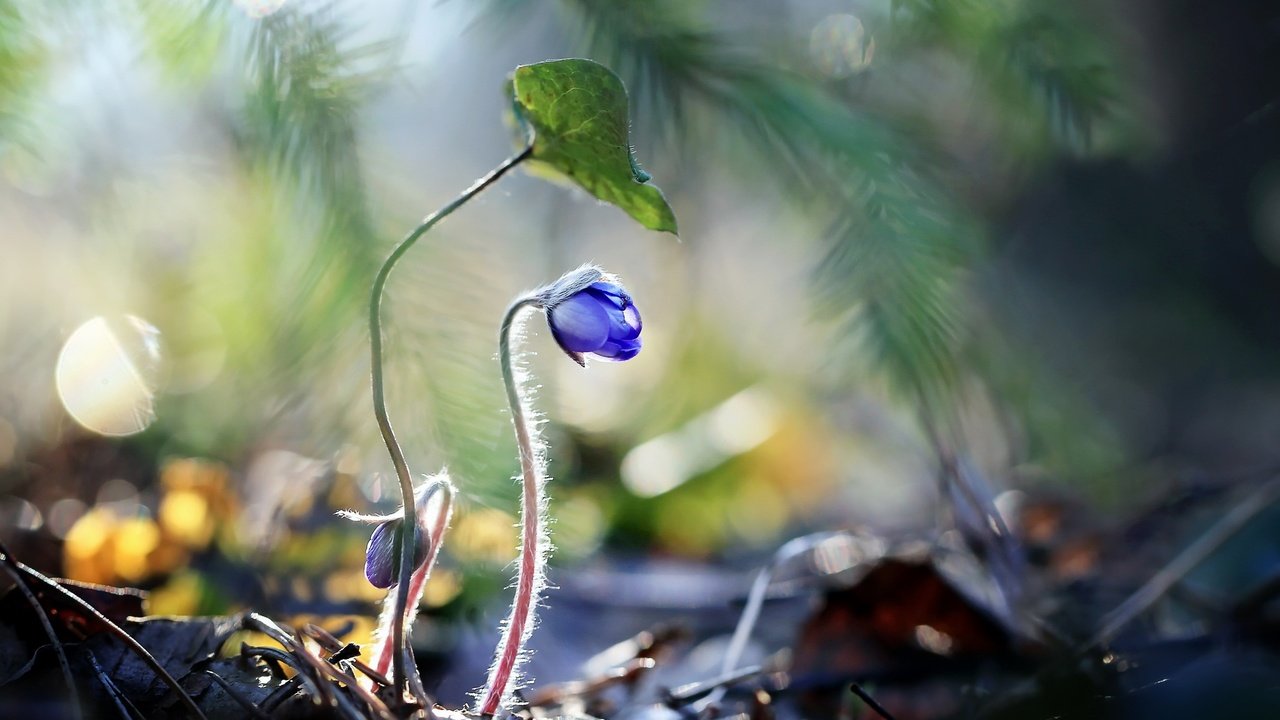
(380,402)
(532,557)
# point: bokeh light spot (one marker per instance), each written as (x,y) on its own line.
(758,511)
(63,515)
(735,426)
(347,585)
(484,535)
(179,596)
(840,46)
(580,526)
(121,496)
(135,539)
(1266,213)
(16,512)
(8,442)
(106,375)
(933,640)
(184,515)
(442,587)
(690,526)
(88,534)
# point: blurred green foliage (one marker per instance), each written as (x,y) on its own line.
(308,141)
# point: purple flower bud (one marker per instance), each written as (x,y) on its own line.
(601,320)
(382,558)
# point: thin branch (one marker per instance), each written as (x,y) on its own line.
(318,687)
(755,600)
(870,701)
(240,699)
(1160,583)
(268,627)
(298,650)
(716,686)
(1186,561)
(115,630)
(11,567)
(380,405)
(334,645)
(628,672)
(117,697)
(379,708)
(282,693)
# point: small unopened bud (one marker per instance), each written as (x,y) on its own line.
(382,557)
(589,312)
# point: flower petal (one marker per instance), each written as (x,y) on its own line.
(381,557)
(580,324)
(631,316)
(619,350)
(623,324)
(611,293)
(624,317)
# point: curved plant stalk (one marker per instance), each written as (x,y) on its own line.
(380,403)
(531,577)
(534,543)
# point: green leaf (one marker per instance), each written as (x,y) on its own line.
(575,112)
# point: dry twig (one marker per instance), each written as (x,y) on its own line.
(12,567)
(114,630)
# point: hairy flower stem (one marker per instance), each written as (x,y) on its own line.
(530,574)
(385,646)
(380,403)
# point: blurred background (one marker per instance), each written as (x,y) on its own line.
(1038,239)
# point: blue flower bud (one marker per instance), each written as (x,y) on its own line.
(599,319)
(382,558)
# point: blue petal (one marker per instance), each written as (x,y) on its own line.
(619,350)
(613,294)
(624,317)
(380,558)
(631,316)
(623,324)
(580,324)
